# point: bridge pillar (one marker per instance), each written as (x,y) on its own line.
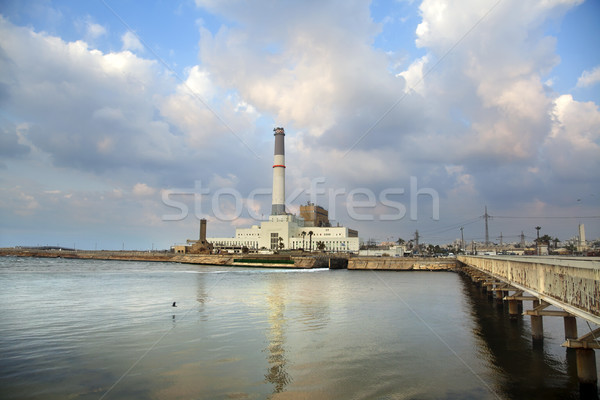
(499,296)
(513,309)
(586,369)
(537,324)
(570,327)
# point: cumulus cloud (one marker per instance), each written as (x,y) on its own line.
(131,42)
(306,63)
(589,78)
(143,190)
(94,30)
(572,150)
(481,123)
(9,141)
(120,111)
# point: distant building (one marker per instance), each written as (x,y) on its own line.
(314,215)
(200,246)
(392,251)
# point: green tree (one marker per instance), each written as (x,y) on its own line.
(310,235)
(556,240)
(321,245)
(545,239)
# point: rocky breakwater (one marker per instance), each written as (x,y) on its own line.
(89,255)
(247,260)
(206,259)
(402,263)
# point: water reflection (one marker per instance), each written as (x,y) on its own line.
(522,371)
(276,372)
(201,294)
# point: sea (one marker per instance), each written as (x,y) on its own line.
(92,329)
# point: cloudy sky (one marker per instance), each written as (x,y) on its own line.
(121,124)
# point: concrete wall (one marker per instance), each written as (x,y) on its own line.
(402,264)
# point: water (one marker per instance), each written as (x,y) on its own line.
(85,329)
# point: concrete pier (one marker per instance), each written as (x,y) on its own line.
(537,324)
(513,309)
(570,327)
(586,368)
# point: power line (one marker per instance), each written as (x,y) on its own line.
(523,217)
(452,227)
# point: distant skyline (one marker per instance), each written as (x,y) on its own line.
(400,115)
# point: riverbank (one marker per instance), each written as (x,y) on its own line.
(248,260)
(305,261)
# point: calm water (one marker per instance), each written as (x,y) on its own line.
(106,330)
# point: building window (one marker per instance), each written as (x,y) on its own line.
(274,241)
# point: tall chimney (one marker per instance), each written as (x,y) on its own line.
(202,231)
(278,203)
(582,236)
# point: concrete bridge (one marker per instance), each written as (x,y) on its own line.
(571,284)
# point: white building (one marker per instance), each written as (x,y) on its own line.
(287,231)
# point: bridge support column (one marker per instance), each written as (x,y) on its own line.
(537,324)
(570,327)
(586,362)
(499,296)
(513,309)
(586,370)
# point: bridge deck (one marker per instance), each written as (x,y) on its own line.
(571,283)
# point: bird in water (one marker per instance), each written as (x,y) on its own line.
(174,304)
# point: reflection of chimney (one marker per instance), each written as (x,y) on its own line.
(278,203)
(202,231)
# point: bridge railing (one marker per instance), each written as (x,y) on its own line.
(571,284)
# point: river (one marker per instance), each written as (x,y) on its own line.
(89,329)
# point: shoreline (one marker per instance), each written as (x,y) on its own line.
(308,261)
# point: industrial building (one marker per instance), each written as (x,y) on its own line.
(287,231)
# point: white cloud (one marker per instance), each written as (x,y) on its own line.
(589,78)
(143,190)
(94,30)
(131,42)
(482,123)
(414,75)
(572,150)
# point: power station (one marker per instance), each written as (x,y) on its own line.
(284,230)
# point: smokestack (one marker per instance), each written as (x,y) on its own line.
(202,231)
(582,236)
(278,203)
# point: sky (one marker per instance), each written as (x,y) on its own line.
(122,123)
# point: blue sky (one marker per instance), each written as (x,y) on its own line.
(109,108)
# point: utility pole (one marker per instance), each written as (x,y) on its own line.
(522,239)
(462,238)
(487,234)
(500,239)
